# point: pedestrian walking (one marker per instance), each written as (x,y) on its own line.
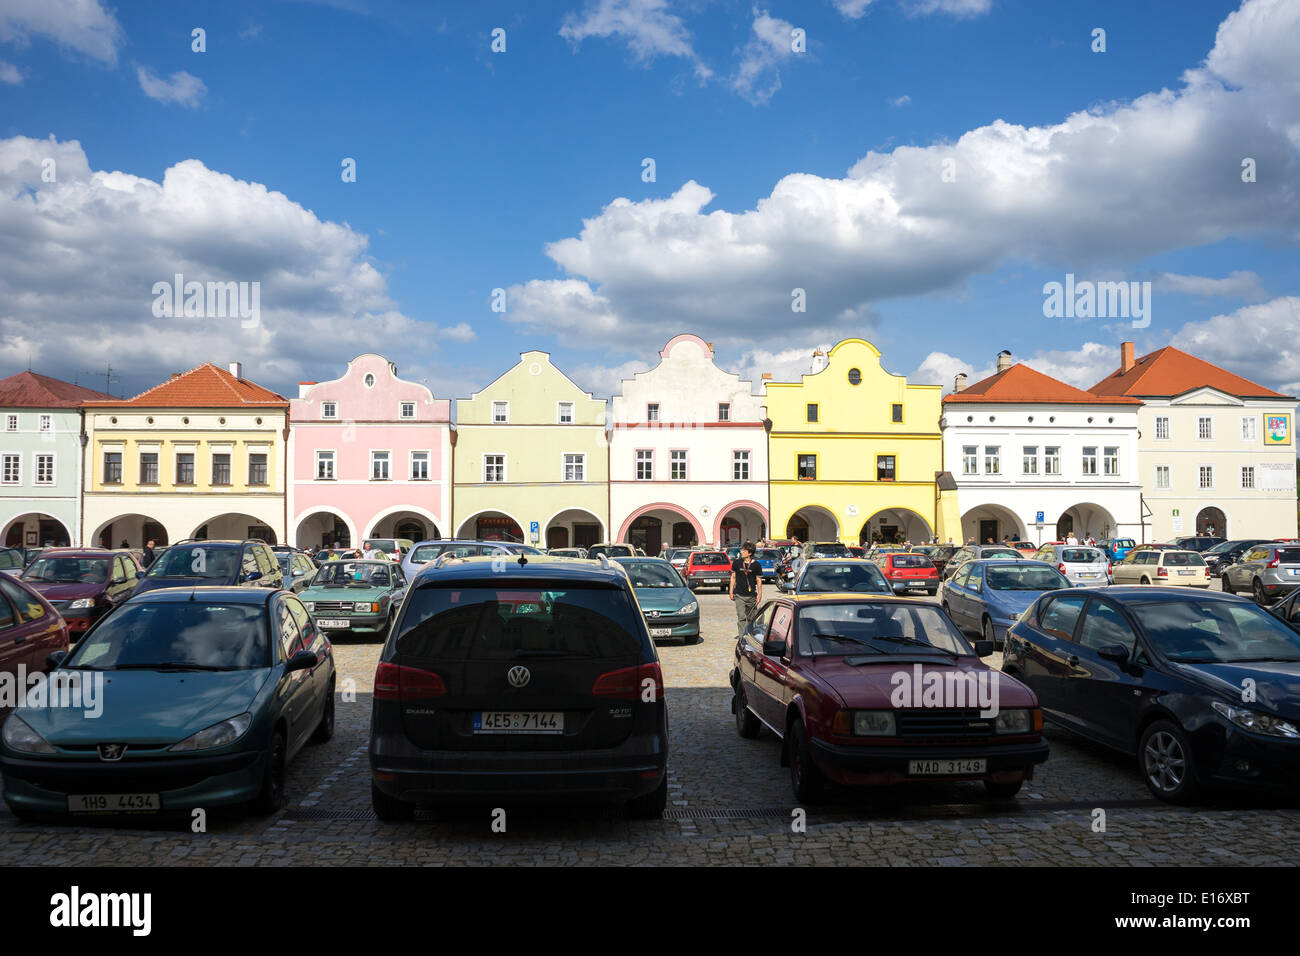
(746,588)
(147,558)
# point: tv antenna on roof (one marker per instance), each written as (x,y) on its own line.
(110,378)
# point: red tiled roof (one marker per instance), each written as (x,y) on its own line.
(204,387)
(1021,384)
(30,390)
(1169,371)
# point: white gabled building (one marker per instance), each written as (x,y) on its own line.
(688,454)
(1021,444)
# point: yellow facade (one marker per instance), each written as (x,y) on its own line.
(865,420)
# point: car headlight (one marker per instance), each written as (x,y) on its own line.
(365,607)
(218,735)
(1012,722)
(18,735)
(309,605)
(689,608)
(80,604)
(1246,719)
(873,723)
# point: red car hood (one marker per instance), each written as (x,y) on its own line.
(53,591)
(873,686)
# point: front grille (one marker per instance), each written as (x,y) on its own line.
(932,723)
(332,607)
(59,605)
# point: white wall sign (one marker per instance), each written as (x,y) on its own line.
(1275,476)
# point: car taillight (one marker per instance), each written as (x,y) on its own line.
(628,683)
(1273,563)
(397,682)
(1061,567)
(1162,572)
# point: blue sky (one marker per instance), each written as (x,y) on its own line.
(471,163)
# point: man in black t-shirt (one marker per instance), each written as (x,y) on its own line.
(746,588)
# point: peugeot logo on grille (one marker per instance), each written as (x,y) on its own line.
(111,751)
(518,676)
(651,613)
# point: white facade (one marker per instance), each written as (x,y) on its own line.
(1082,475)
(1209,465)
(688,454)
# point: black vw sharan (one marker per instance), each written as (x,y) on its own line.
(531,678)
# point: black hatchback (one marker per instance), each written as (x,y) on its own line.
(249,563)
(534,678)
(1202,687)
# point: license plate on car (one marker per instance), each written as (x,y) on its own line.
(1087,574)
(333,623)
(661,632)
(1186,572)
(713,580)
(518,722)
(113,802)
(945,768)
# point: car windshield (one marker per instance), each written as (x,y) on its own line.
(768,554)
(1204,631)
(179,635)
(285,559)
(67,571)
(829,578)
(652,575)
(830,549)
(196,561)
(542,619)
(1000,553)
(871,629)
(1183,559)
(364,574)
(1082,556)
(1024,577)
(1122,543)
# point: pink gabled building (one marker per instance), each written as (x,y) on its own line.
(370,456)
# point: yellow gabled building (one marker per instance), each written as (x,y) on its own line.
(856,453)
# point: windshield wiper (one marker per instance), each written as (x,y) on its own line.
(851,640)
(174,666)
(899,639)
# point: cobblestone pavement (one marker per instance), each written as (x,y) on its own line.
(730,802)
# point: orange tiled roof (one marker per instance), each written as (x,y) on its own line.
(1169,371)
(30,390)
(204,387)
(1021,384)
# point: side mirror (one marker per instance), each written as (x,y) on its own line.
(253,576)
(1113,652)
(302,661)
(774,648)
(984,648)
(54,660)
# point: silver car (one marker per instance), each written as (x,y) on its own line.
(1082,564)
(1267,571)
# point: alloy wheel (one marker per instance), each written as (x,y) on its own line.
(1164,762)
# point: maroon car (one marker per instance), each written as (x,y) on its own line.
(30,629)
(707,569)
(83,584)
(878,690)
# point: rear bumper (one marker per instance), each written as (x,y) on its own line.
(915,584)
(857,765)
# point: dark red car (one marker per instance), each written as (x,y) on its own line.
(846,682)
(30,629)
(908,570)
(83,584)
(707,569)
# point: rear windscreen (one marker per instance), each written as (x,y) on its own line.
(1081,556)
(1175,559)
(431,552)
(912,561)
(519,621)
(1288,555)
(1122,543)
(711,559)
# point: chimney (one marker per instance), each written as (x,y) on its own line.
(237,369)
(959,382)
(819,361)
(767,376)
(1004,360)
(1126,360)
(304,388)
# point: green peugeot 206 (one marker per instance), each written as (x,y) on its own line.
(670,608)
(356,597)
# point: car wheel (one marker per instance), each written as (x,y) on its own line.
(1003,791)
(988,633)
(1145,581)
(390,809)
(1257,589)
(805,779)
(325,729)
(651,806)
(1226,583)
(388,628)
(747,725)
(1166,761)
(271,799)
(932,591)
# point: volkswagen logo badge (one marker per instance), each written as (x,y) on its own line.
(518,676)
(111,751)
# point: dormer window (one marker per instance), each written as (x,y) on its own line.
(329,410)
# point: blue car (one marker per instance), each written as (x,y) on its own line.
(1116,548)
(987,595)
(768,559)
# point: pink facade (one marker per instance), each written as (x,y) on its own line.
(370,456)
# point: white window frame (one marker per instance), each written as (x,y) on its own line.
(652,411)
(581,464)
(1109,462)
(1029,459)
(673,460)
(1165,472)
(401,411)
(388,463)
(724,411)
(637,461)
(1087,462)
(1253,429)
(1052,461)
(1167,422)
(739,457)
(45,423)
(559,413)
(970,459)
(36,470)
(1202,420)
(17,456)
(1247,471)
(1200,477)
(410,463)
(334,464)
(11,423)
(324,410)
(494,454)
(504,421)
(992,459)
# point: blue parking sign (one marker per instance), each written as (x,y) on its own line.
(533,527)
(1038,518)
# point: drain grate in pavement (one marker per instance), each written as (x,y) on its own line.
(728,813)
(312,813)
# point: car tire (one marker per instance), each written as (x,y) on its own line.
(988,633)
(271,799)
(1165,760)
(1003,791)
(390,809)
(1145,581)
(747,725)
(651,805)
(325,729)
(1257,591)
(388,628)
(805,778)
(1226,583)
